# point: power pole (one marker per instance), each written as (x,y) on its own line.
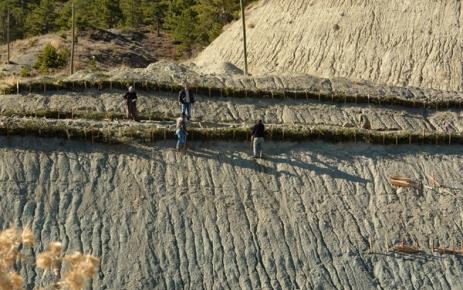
(73,38)
(244,39)
(8,35)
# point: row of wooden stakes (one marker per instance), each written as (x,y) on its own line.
(402,247)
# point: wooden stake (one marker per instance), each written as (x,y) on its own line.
(73,20)
(8,35)
(386,243)
(245,51)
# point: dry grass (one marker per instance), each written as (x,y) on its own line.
(148,134)
(10,241)
(55,84)
(81,268)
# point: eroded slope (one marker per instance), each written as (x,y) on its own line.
(216,219)
(407,43)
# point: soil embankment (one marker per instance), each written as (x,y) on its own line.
(406,43)
(310,215)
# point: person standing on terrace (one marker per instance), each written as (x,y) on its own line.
(186,99)
(181,133)
(131,104)
(258,134)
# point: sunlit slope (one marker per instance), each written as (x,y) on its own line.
(216,219)
(407,43)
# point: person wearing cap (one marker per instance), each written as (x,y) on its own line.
(186,99)
(131,104)
(181,132)
(258,134)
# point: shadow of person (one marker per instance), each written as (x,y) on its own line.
(234,159)
(331,171)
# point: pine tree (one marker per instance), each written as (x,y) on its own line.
(154,12)
(180,22)
(190,23)
(132,12)
(41,17)
(108,14)
(213,15)
(18,14)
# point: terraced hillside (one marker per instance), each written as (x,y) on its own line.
(407,43)
(311,215)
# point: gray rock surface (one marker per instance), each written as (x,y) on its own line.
(406,43)
(216,219)
(221,111)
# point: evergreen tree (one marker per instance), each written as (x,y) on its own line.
(86,15)
(213,15)
(41,17)
(154,12)
(180,23)
(107,13)
(18,13)
(132,12)
(190,23)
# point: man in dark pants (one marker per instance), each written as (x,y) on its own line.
(258,134)
(186,98)
(131,105)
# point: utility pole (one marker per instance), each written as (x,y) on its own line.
(73,38)
(244,39)
(8,35)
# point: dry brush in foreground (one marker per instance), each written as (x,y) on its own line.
(78,268)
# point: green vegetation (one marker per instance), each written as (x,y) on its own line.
(191,23)
(51,58)
(25,72)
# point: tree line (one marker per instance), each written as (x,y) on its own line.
(188,22)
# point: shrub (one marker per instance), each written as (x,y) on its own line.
(25,72)
(51,58)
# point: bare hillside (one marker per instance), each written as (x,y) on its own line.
(216,219)
(407,43)
(309,215)
(96,49)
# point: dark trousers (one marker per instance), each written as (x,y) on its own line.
(131,110)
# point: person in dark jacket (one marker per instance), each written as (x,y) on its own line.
(258,134)
(186,99)
(131,104)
